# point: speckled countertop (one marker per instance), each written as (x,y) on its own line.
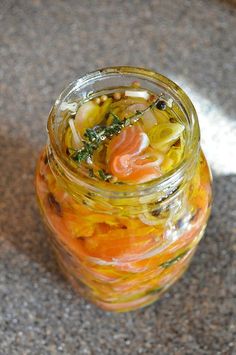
(45,45)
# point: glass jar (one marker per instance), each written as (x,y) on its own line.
(122,246)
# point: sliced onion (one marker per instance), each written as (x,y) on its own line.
(170,102)
(69,106)
(152,221)
(165,134)
(149,119)
(76,138)
(135,93)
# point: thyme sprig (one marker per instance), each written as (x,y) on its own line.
(100,173)
(95,136)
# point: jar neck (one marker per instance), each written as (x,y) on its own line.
(157,190)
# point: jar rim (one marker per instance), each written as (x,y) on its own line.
(167,180)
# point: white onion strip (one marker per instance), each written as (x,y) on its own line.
(76,137)
(135,93)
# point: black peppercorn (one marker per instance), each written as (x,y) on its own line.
(161,105)
(156,212)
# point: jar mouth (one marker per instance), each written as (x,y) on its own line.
(80,88)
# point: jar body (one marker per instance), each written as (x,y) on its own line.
(117,259)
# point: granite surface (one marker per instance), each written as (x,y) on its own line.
(45,45)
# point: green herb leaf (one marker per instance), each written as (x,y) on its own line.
(169,263)
(116,119)
(104,176)
(154,290)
